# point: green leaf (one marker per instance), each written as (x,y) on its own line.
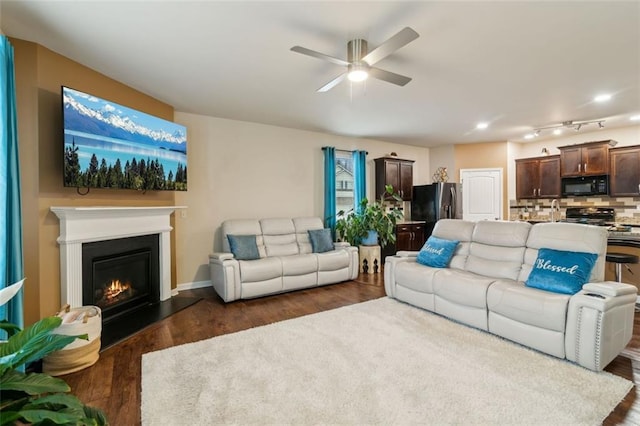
(97,415)
(33,344)
(55,401)
(32,383)
(8,417)
(57,417)
(41,328)
(9,328)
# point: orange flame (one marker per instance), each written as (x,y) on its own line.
(115,289)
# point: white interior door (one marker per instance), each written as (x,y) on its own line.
(481,194)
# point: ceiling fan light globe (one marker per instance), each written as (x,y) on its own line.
(358,75)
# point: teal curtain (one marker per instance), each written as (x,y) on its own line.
(11,266)
(359,178)
(330,188)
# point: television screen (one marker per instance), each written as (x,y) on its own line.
(107,145)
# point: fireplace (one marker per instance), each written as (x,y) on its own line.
(127,253)
(121,275)
(83,225)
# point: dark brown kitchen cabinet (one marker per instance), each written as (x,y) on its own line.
(624,167)
(397,173)
(588,159)
(410,236)
(538,177)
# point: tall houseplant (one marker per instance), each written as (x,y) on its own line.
(353,226)
(37,398)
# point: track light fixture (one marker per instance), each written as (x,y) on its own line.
(557,129)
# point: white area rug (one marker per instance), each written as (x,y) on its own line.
(378,362)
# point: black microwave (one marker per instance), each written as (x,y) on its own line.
(585,185)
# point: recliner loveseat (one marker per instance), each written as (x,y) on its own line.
(286,260)
(484,287)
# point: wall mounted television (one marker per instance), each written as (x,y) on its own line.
(107,145)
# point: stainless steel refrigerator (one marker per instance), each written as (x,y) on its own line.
(430,203)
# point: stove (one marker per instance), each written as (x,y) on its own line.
(600,216)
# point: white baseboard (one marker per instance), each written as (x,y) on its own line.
(193,285)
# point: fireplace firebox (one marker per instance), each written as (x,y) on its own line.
(121,275)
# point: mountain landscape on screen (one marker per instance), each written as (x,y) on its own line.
(112,146)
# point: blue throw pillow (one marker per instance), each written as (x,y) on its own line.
(561,271)
(437,252)
(244,247)
(321,240)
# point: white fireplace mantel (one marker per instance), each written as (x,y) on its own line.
(80,225)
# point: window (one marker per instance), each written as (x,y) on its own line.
(344,181)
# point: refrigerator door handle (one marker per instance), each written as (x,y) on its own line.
(439,207)
(454,203)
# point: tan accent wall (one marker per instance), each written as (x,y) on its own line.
(480,156)
(40,73)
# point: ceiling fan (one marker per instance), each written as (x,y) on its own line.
(360,61)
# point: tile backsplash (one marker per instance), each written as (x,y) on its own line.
(627,210)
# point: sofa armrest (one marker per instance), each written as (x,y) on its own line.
(403,253)
(609,288)
(390,264)
(341,244)
(220,257)
(599,323)
(354,259)
(224,270)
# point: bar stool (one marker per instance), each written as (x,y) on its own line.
(619,259)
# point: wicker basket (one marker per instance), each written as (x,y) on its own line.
(80,353)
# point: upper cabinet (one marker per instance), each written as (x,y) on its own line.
(538,177)
(588,159)
(397,173)
(624,164)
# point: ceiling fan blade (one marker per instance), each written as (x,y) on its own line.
(388,76)
(405,36)
(309,52)
(330,85)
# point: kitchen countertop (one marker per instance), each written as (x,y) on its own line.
(624,238)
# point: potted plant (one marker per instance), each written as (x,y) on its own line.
(355,226)
(37,398)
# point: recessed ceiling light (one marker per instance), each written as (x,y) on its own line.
(529,136)
(482,125)
(557,132)
(635,118)
(602,98)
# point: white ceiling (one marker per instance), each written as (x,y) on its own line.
(516,65)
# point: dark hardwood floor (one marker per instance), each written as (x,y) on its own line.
(113,383)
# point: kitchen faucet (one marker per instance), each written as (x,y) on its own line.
(554,206)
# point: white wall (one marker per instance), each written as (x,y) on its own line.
(625,136)
(247,170)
